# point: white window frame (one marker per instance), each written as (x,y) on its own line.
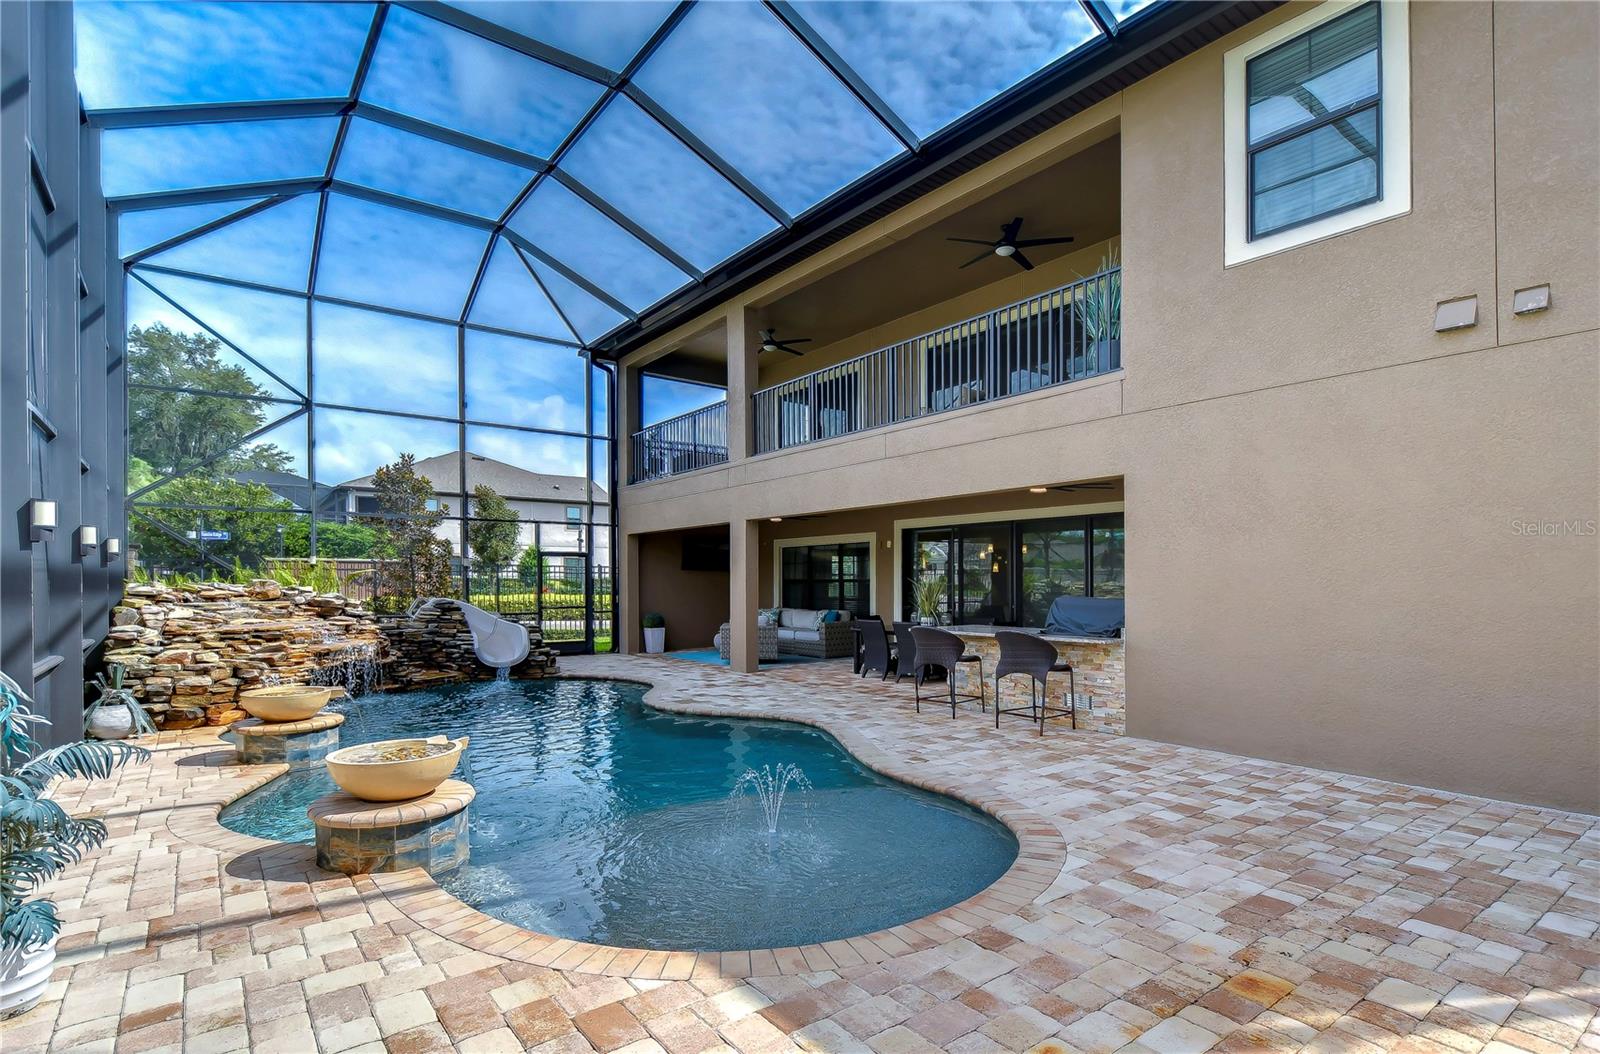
(1395,129)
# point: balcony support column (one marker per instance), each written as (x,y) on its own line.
(628,411)
(744,578)
(744,344)
(627,630)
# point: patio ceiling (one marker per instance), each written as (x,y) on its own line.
(550,169)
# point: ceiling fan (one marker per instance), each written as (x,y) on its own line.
(1008,246)
(770,342)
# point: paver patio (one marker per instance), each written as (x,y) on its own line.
(1192,900)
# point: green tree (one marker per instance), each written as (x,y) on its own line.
(528,566)
(413,561)
(249,513)
(215,406)
(196,435)
(334,540)
(492,533)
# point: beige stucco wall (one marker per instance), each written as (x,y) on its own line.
(1345,531)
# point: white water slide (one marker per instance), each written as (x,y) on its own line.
(498,642)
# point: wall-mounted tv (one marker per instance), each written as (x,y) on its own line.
(705,553)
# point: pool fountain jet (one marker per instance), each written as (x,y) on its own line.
(498,642)
(769,786)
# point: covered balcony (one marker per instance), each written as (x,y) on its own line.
(1015,290)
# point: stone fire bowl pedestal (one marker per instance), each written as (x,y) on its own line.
(356,837)
(297,744)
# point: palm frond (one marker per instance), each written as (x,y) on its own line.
(90,760)
(30,924)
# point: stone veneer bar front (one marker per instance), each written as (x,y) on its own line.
(1097,663)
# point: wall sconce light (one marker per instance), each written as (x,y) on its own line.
(112,549)
(88,539)
(1455,314)
(1530,300)
(41,519)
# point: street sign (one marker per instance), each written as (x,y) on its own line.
(210,536)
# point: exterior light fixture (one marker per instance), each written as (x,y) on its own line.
(1531,300)
(1461,313)
(1037,490)
(88,538)
(112,549)
(776,519)
(41,519)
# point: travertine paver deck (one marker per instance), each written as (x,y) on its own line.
(1196,901)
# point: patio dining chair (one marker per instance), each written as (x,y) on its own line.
(1030,654)
(905,663)
(876,649)
(939,648)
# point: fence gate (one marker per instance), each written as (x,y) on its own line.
(563,600)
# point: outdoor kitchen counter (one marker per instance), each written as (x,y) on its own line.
(1097,663)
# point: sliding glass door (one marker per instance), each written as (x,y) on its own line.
(823,577)
(1008,572)
(1054,564)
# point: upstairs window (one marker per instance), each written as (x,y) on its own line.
(1314,133)
(1317,127)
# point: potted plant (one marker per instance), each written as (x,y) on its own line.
(1100,313)
(655,634)
(116,714)
(38,840)
(928,596)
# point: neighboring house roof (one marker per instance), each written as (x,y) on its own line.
(508,481)
(290,486)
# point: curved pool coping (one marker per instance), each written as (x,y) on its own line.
(1041,853)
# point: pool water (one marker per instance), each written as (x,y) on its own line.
(600,819)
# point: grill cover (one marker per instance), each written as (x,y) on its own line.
(1086,616)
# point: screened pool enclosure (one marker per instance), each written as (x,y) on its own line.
(380,258)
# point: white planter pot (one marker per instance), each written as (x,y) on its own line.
(23,977)
(111,722)
(655,640)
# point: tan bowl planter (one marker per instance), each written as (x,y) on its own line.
(358,773)
(285,702)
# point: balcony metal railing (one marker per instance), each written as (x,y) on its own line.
(1064,335)
(697,439)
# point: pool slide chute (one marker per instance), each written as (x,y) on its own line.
(498,642)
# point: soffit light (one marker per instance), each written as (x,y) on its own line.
(1037,490)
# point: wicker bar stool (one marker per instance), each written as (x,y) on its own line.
(1029,654)
(936,647)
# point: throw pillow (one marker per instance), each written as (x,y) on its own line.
(767,617)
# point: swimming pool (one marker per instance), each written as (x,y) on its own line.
(603,820)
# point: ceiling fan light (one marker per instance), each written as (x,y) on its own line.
(1004,250)
(768,346)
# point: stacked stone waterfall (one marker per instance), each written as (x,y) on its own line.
(189,651)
